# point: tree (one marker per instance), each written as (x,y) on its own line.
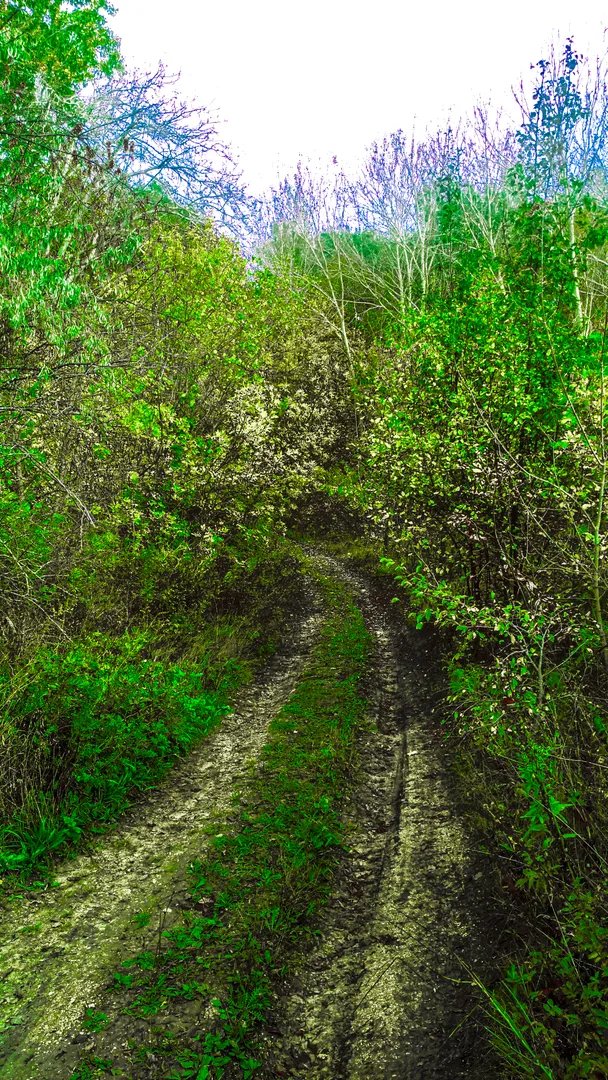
(562,141)
(158,141)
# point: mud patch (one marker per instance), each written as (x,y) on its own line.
(58,949)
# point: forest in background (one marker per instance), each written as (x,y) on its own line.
(189,376)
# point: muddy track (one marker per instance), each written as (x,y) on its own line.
(385,995)
(59,948)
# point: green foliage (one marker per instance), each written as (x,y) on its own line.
(65,43)
(92,1069)
(95,1020)
(96,722)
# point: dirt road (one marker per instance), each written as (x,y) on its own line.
(386,994)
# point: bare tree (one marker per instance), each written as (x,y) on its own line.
(156,139)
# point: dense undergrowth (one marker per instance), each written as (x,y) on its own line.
(258,892)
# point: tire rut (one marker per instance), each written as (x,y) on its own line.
(59,948)
(385,988)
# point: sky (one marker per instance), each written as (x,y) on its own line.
(327,77)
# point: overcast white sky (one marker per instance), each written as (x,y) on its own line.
(326,77)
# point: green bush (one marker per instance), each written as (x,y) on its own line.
(93,723)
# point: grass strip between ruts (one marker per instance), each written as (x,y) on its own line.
(268,873)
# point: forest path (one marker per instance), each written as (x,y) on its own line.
(386,995)
(60,947)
